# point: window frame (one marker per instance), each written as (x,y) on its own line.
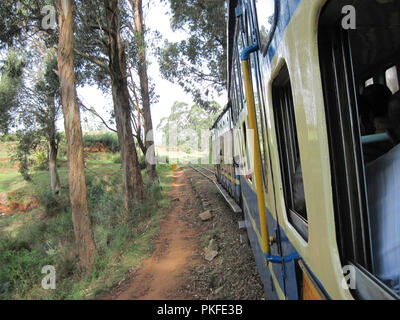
(346,161)
(287,142)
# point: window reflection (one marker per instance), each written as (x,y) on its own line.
(265,16)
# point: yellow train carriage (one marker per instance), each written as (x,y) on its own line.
(315,125)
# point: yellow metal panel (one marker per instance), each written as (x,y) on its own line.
(257,164)
(311,290)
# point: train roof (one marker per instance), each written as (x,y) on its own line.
(227,108)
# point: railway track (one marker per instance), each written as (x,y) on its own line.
(210,175)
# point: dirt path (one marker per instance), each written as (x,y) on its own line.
(177,268)
(164,274)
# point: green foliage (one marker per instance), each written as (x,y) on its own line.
(41,160)
(27,142)
(116,158)
(49,240)
(8,138)
(20,20)
(17,272)
(200,61)
(52,204)
(10,84)
(186,124)
(142,161)
(108,140)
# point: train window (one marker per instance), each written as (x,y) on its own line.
(265,14)
(289,152)
(363,134)
(238,47)
(238,83)
(234,100)
(392,80)
(247,162)
(259,113)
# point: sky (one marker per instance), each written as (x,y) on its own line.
(156,18)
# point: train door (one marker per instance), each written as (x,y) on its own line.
(278,272)
(285,269)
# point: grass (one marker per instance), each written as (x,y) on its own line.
(44,236)
(5,149)
(178,156)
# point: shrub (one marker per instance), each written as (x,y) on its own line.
(108,140)
(53,204)
(40,160)
(8,138)
(116,158)
(51,241)
(20,271)
(142,162)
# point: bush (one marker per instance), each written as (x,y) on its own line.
(8,138)
(20,271)
(116,158)
(51,241)
(40,160)
(108,140)
(142,162)
(53,204)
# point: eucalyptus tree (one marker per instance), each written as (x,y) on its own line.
(139,32)
(40,109)
(21,24)
(103,61)
(191,121)
(10,84)
(197,63)
(76,170)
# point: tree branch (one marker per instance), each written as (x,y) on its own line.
(94,60)
(91,110)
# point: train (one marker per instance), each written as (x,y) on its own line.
(308,144)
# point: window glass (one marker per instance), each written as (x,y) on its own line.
(265,16)
(236,91)
(238,49)
(392,80)
(259,114)
(364,141)
(248,159)
(289,153)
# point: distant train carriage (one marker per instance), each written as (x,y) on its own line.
(222,142)
(319,186)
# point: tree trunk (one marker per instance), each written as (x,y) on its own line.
(76,170)
(53,151)
(54,177)
(53,146)
(144,88)
(131,175)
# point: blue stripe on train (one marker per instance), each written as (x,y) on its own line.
(287,10)
(285,271)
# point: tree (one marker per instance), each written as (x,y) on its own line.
(144,86)
(47,90)
(197,64)
(131,175)
(10,85)
(76,170)
(39,114)
(188,119)
(103,60)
